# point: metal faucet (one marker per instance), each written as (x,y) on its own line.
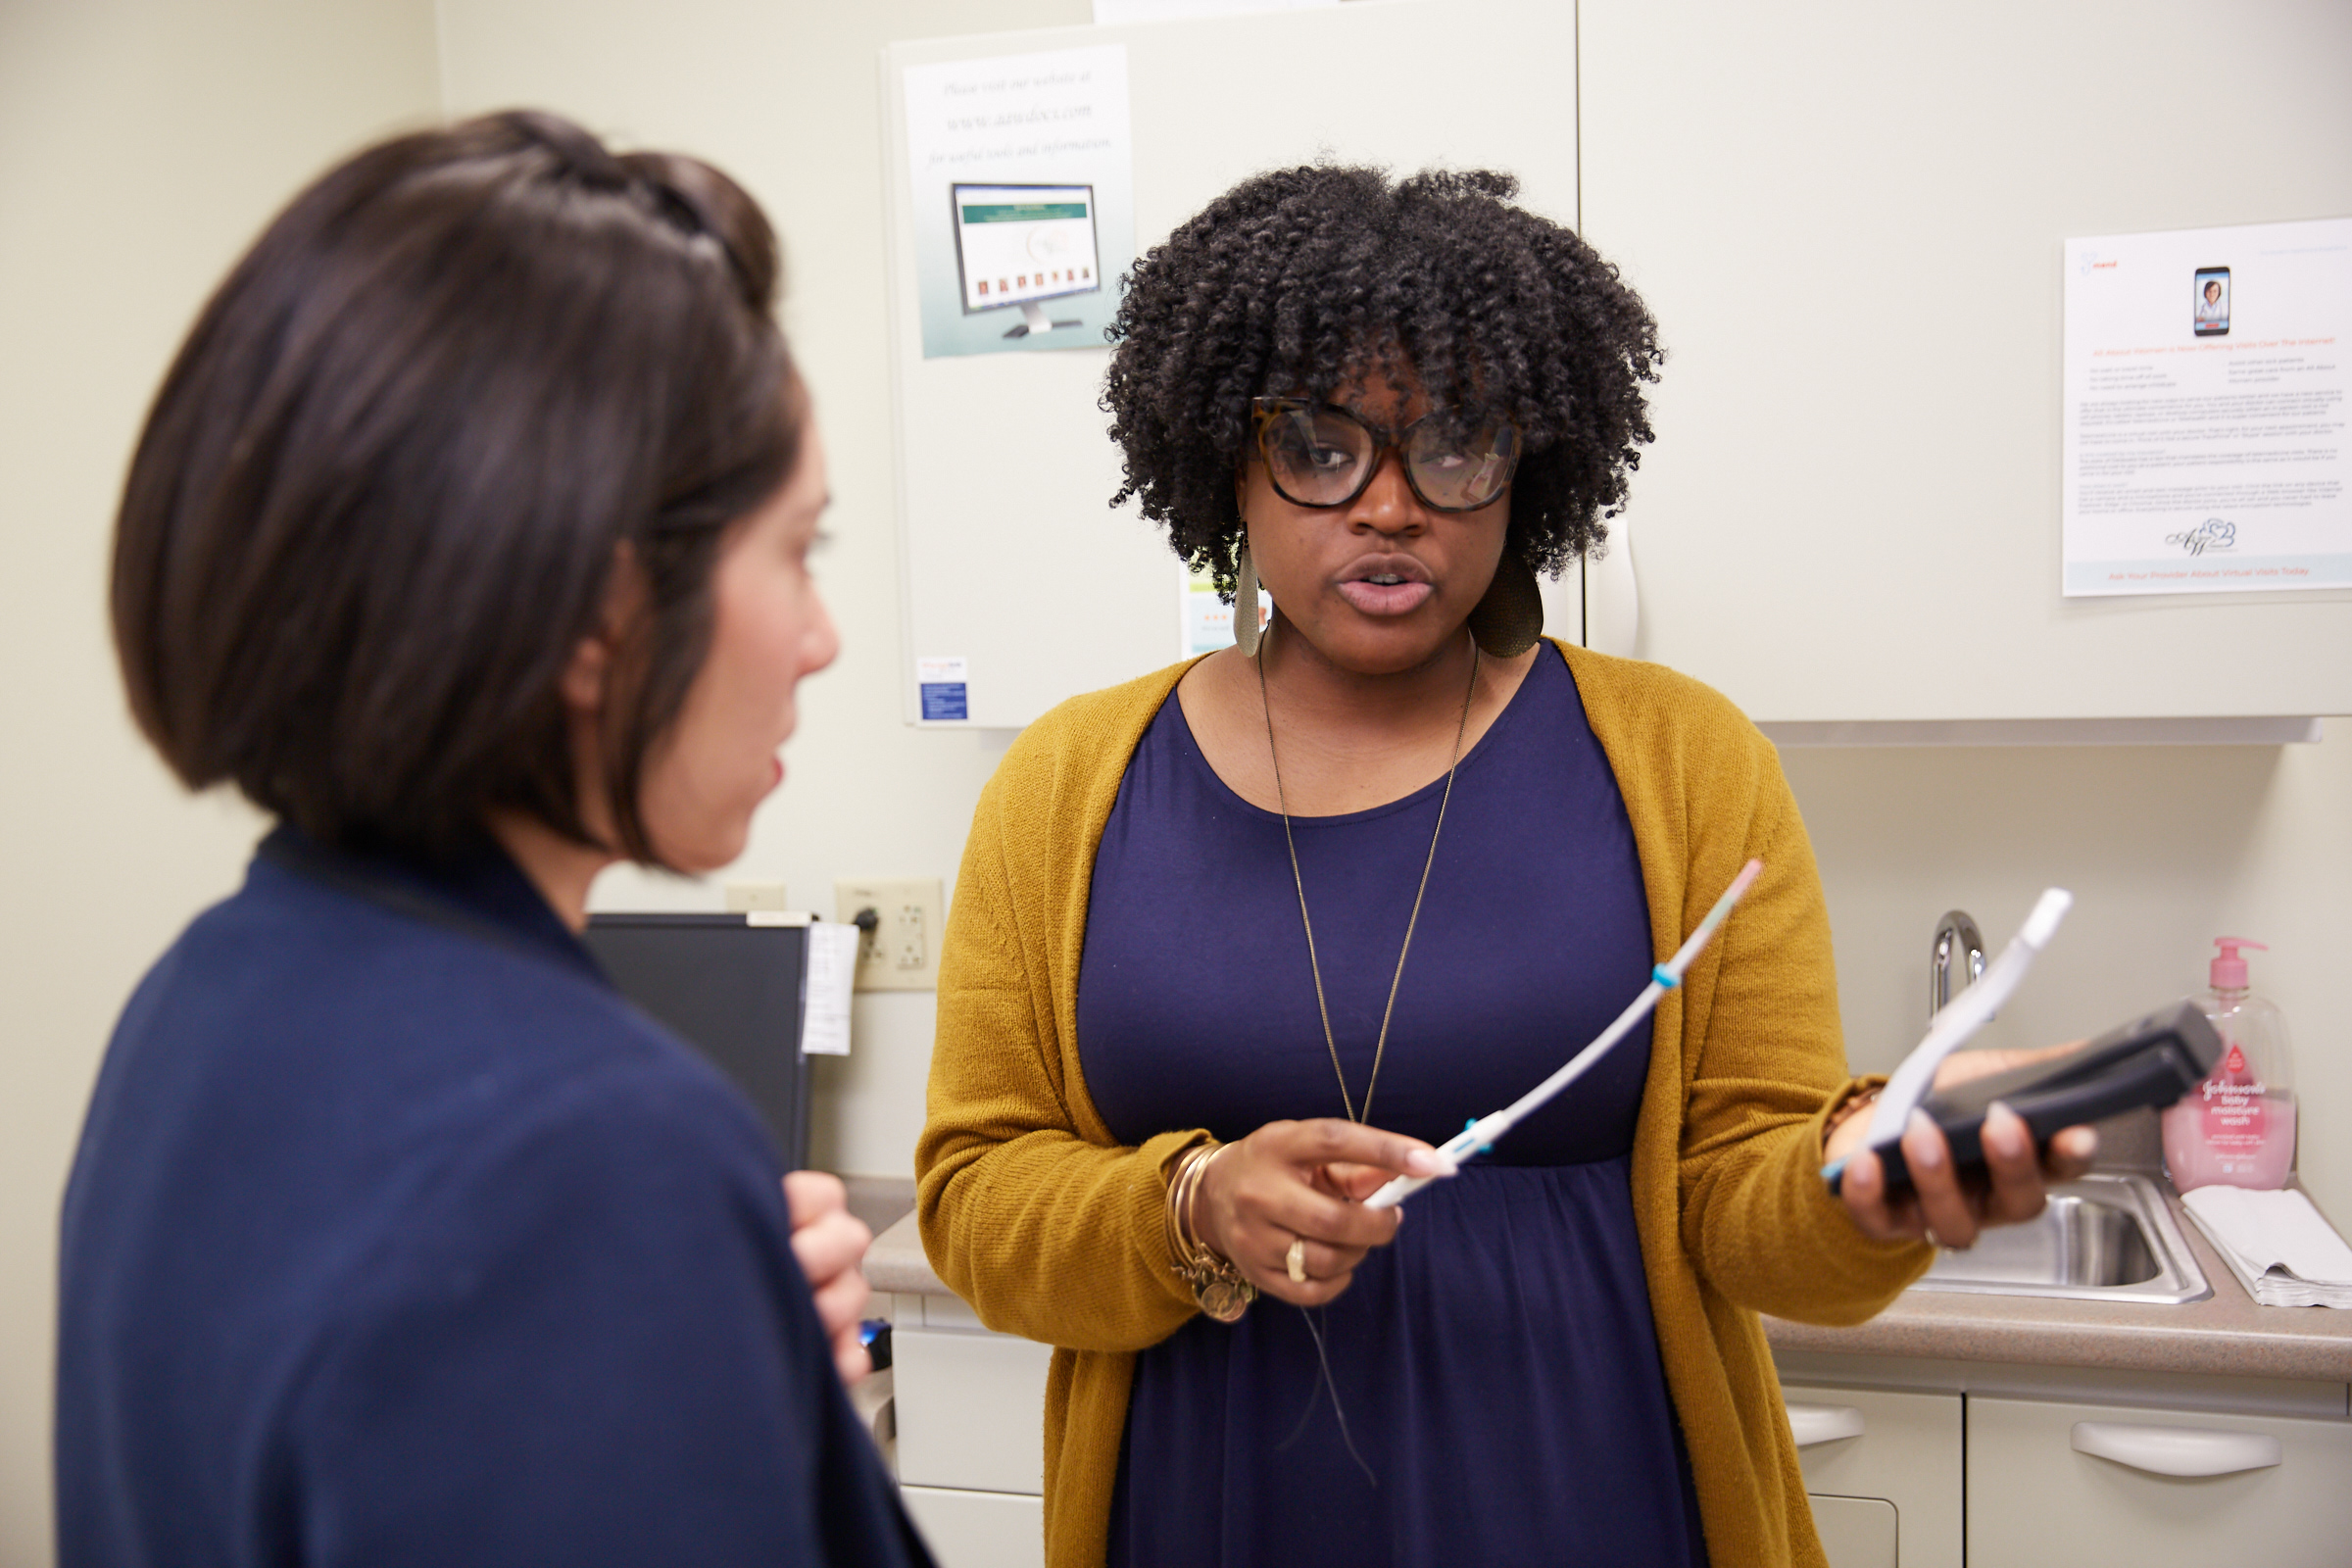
(1957,929)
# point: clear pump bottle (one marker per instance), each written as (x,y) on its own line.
(2238,1128)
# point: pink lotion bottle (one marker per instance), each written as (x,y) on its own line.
(2238,1128)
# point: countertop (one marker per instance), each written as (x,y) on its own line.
(2226,1334)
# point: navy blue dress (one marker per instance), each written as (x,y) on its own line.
(1499,1394)
(397,1235)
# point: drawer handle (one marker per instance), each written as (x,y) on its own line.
(1810,1424)
(2176,1450)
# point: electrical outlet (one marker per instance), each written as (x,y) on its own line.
(901,952)
(745,897)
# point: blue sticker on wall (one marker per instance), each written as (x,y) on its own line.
(940,683)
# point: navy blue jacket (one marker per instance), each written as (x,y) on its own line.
(397,1235)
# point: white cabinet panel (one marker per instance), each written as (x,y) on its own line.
(970,1409)
(1856,1532)
(1903,1449)
(2036,1500)
(1848,221)
(979,1528)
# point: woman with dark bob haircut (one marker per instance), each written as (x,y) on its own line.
(469,537)
(1220,966)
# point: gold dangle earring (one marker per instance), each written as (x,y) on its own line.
(1245,602)
(1509,618)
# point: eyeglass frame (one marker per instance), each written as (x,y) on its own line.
(1264,411)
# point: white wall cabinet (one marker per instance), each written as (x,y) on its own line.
(1848,221)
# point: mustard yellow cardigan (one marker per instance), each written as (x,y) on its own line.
(1050,1229)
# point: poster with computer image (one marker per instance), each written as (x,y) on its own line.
(1024,216)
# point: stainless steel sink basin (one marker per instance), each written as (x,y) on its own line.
(2101,1239)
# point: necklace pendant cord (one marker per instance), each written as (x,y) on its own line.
(1314,964)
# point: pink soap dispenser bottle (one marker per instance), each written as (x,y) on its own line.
(2238,1128)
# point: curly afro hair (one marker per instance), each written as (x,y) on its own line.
(1297,280)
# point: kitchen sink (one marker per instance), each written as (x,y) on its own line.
(2105,1237)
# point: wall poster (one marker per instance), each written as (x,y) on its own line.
(1022,171)
(2205,408)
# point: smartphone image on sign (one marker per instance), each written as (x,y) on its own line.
(2213,301)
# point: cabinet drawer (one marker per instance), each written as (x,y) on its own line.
(1856,1532)
(979,1528)
(971,1409)
(2034,1499)
(1908,1453)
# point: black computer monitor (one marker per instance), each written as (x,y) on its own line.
(1021,245)
(732,990)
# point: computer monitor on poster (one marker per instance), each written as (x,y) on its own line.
(1022,245)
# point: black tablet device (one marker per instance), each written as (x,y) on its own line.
(2149,1061)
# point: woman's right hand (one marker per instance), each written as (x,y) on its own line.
(1304,1180)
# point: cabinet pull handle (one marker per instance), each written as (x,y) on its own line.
(2176,1450)
(1810,1424)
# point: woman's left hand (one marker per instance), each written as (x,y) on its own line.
(1942,1206)
(830,1243)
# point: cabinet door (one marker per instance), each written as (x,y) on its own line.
(1902,1450)
(1849,218)
(2035,1499)
(1857,1532)
(970,1409)
(979,1528)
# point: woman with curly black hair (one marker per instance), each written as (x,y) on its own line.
(1221,965)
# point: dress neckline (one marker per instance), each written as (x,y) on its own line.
(1189,746)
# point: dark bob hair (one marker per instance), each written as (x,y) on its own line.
(1296,281)
(382,494)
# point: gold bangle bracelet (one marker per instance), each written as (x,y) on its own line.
(1219,1288)
(1855,1104)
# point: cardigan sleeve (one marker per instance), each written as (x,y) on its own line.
(1048,1228)
(1758,1221)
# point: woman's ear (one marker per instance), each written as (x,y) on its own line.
(585,674)
(587,679)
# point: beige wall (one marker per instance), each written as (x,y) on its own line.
(141,145)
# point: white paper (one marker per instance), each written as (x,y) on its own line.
(832,967)
(2279,1229)
(1042,143)
(2206,386)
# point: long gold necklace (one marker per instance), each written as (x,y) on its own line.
(1380,1047)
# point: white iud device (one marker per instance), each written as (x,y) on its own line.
(1481,1134)
(1967,1013)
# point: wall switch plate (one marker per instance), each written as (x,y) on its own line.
(745,897)
(901,951)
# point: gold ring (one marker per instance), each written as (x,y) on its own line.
(1295,1261)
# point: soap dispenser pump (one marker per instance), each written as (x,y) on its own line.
(2238,1128)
